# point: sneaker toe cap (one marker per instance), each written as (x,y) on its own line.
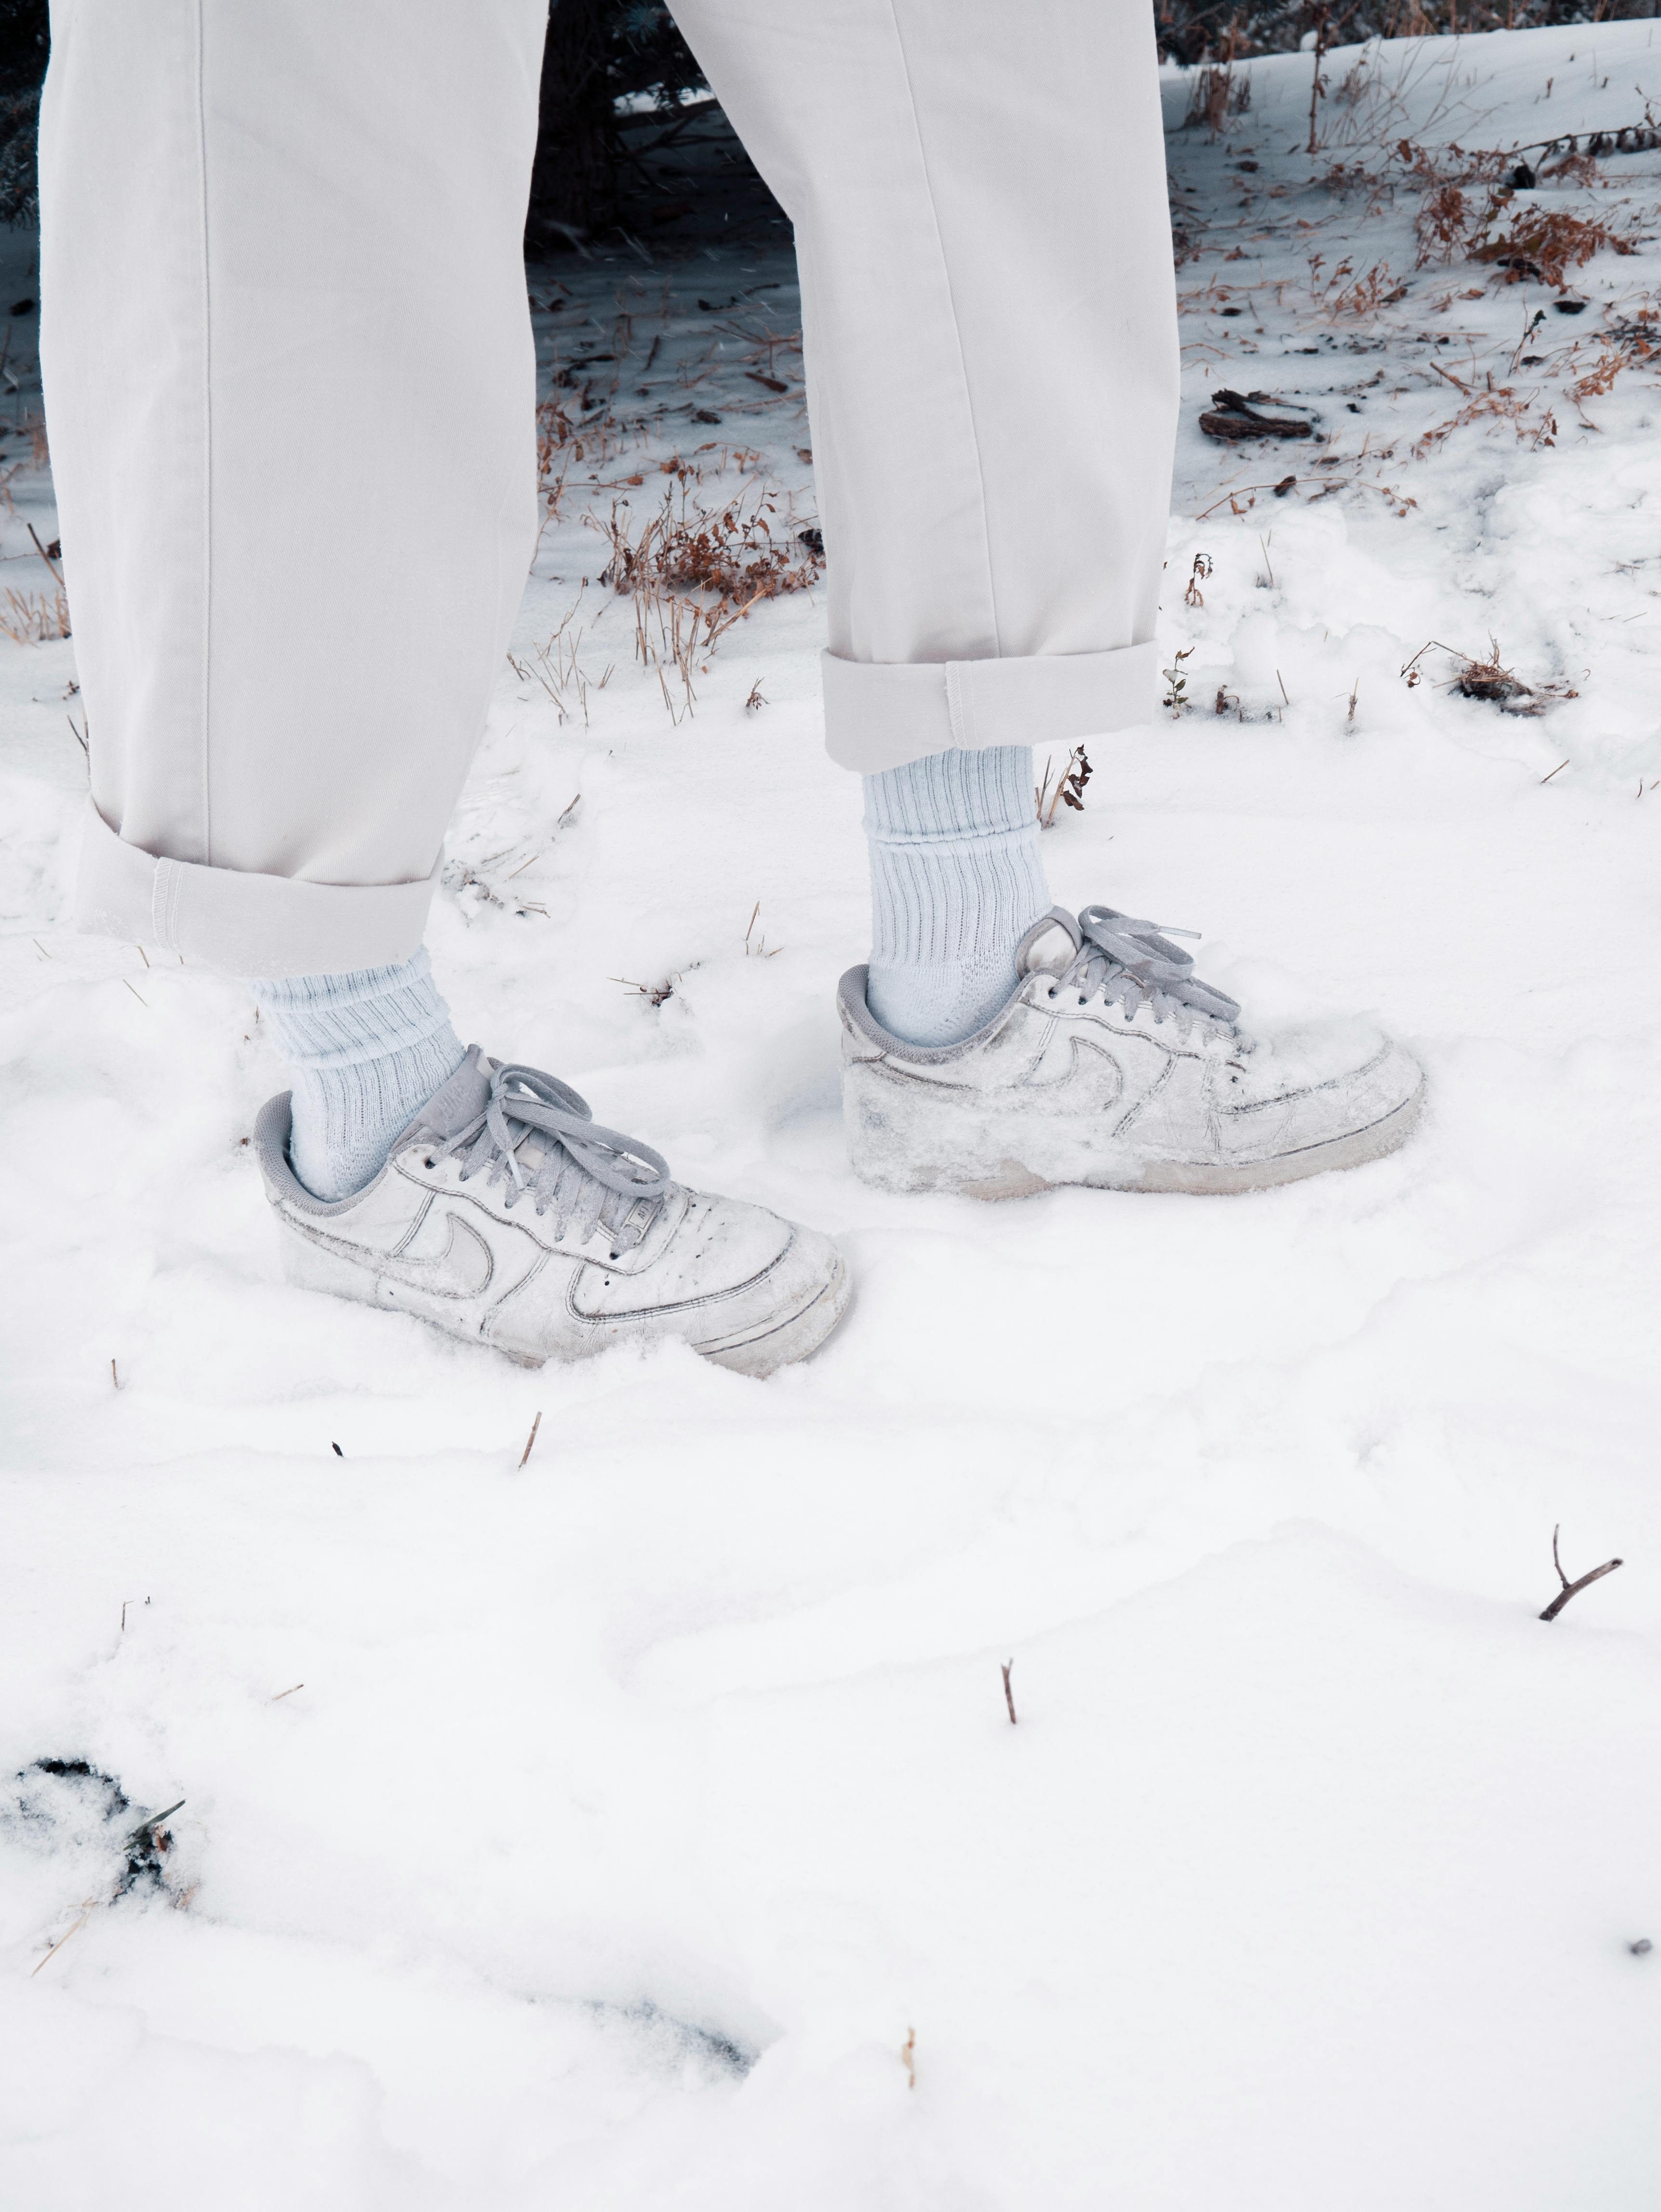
(739,1283)
(1327,1082)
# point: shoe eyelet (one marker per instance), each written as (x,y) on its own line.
(429,1163)
(1054,991)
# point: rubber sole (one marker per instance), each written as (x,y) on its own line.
(1197,1178)
(778,1343)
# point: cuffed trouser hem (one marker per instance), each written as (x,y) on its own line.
(880,714)
(240,923)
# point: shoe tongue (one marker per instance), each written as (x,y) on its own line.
(458,1101)
(1049,945)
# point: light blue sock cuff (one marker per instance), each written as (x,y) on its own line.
(320,1022)
(946,797)
(956,881)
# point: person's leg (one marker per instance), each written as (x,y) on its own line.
(290,389)
(988,311)
(269,291)
(281,264)
(979,203)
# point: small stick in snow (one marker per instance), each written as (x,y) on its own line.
(1558,770)
(289,1692)
(57,572)
(114,1378)
(908,2049)
(88,1910)
(530,1439)
(1008,1694)
(1570,1587)
(145,1832)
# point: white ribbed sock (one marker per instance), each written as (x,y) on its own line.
(367,1049)
(956,882)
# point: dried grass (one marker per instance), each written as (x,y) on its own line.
(32,617)
(694,571)
(1543,245)
(554,665)
(1358,298)
(1218,95)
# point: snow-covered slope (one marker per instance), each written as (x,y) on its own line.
(643,1826)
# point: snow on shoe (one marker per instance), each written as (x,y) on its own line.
(508,1217)
(1112,1064)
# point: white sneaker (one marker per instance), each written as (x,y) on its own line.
(1113,1065)
(507,1217)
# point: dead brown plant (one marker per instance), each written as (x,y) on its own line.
(693,571)
(1065,789)
(1543,245)
(32,617)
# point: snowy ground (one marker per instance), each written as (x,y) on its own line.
(643,1827)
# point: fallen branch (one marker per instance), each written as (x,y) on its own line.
(1237,418)
(1570,1587)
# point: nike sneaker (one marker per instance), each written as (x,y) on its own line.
(1112,1064)
(507,1216)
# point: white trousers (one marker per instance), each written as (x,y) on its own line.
(289,383)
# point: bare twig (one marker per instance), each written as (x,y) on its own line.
(1558,770)
(145,1832)
(45,556)
(1008,1694)
(530,1439)
(87,1911)
(289,1692)
(908,2056)
(1570,1587)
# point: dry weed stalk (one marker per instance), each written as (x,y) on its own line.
(655,994)
(1067,790)
(1320,17)
(1488,679)
(1361,296)
(1216,96)
(1542,246)
(760,949)
(554,665)
(694,571)
(1501,405)
(30,618)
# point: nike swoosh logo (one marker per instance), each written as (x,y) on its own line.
(462,1270)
